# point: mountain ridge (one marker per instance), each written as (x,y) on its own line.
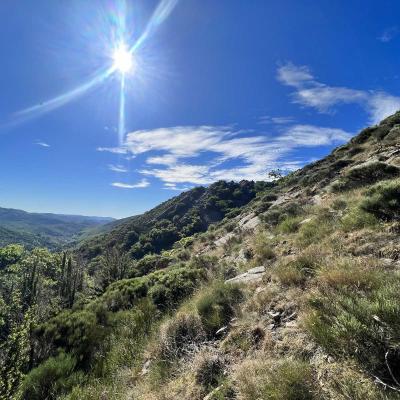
(45,229)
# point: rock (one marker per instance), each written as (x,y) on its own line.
(275,315)
(146,367)
(290,317)
(221,330)
(252,275)
(214,393)
(224,239)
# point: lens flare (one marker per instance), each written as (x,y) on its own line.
(123,59)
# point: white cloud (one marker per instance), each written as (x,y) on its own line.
(117,168)
(177,152)
(266,119)
(309,135)
(173,186)
(294,75)
(311,93)
(141,184)
(389,34)
(115,150)
(42,144)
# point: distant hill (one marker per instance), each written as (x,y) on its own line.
(45,230)
(182,216)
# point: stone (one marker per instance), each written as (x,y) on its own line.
(252,275)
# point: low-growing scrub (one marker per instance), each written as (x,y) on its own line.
(383,200)
(319,226)
(51,379)
(303,266)
(355,314)
(179,336)
(217,305)
(290,224)
(364,174)
(208,369)
(357,218)
(275,380)
(262,248)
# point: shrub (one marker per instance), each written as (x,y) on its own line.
(289,274)
(216,306)
(290,224)
(166,287)
(151,263)
(208,369)
(275,380)
(179,336)
(10,255)
(357,218)
(364,174)
(50,379)
(316,229)
(298,270)
(355,314)
(383,200)
(262,248)
(77,332)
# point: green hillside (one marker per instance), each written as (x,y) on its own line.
(285,291)
(44,230)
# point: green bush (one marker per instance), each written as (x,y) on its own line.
(151,263)
(10,255)
(355,314)
(77,332)
(262,248)
(166,287)
(365,174)
(290,224)
(50,379)
(383,200)
(357,218)
(217,305)
(312,232)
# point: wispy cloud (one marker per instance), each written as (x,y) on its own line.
(173,186)
(389,34)
(266,120)
(42,144)
(311,93)
(177,152)
(115,150)
(117,168)
(141,184)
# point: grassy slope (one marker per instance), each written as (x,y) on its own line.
(319,323)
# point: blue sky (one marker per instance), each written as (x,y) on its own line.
(219,90)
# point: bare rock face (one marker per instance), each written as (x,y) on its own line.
(252,275)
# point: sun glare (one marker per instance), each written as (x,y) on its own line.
(123,60)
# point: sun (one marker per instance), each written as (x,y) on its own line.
(123,59)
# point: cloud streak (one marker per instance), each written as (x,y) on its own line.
(389,34)
(324,98)
(42,144)
(117,168)
(141,184)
